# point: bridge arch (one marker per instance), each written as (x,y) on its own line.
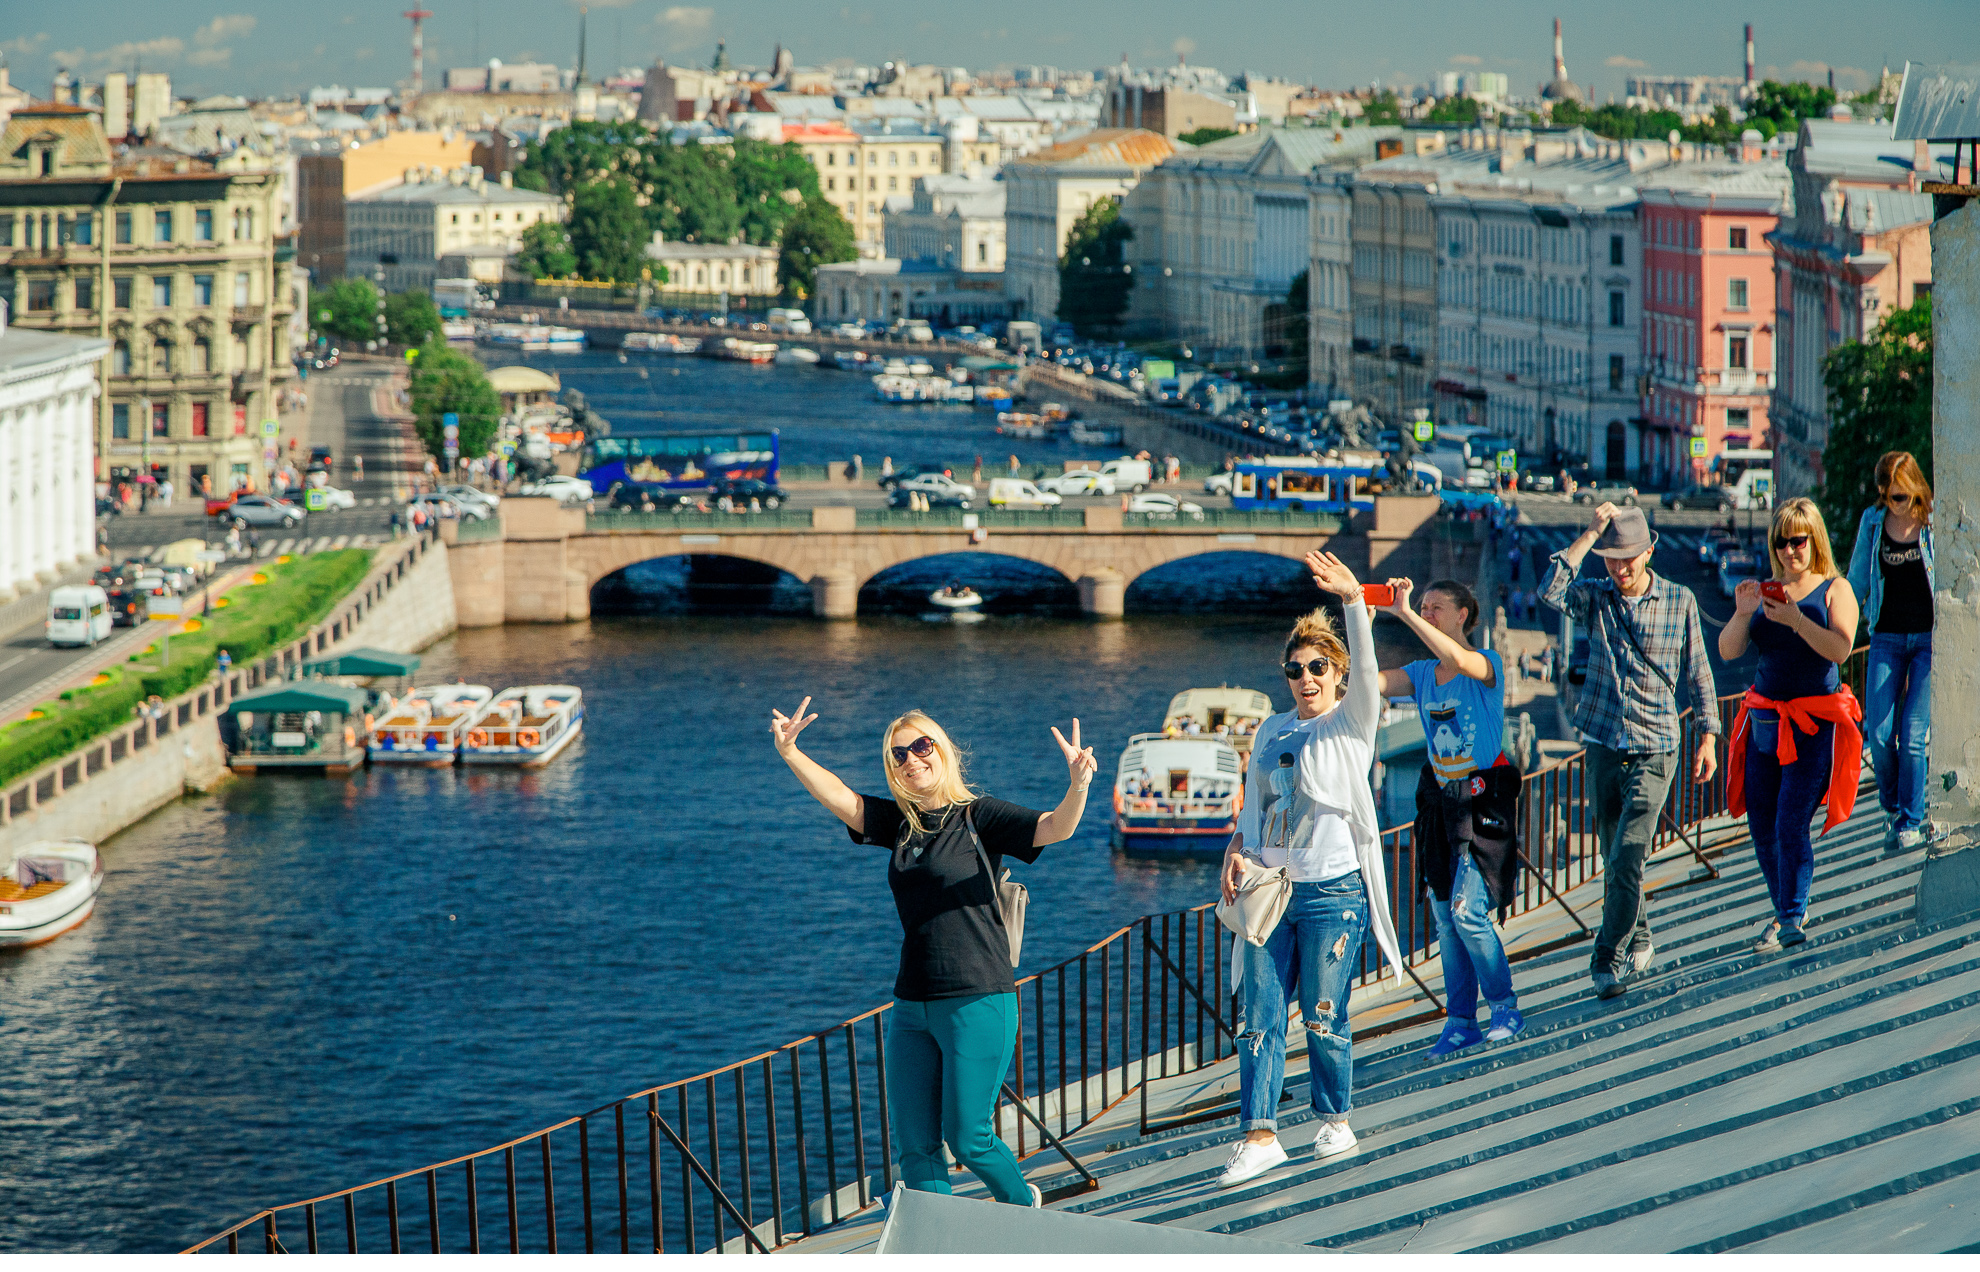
(707,581)
(1007,580)
(1225,578)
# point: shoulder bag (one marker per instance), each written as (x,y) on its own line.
(1010,897)
(1621,619)
(1262,896)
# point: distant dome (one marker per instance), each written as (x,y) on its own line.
(1561,90)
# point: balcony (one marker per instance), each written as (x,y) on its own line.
(1744,381)
(248,315)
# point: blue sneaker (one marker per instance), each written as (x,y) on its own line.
(1457,1035)
(1506,1022)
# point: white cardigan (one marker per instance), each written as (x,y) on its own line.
(1333,773)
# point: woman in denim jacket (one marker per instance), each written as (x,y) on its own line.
(1891,569)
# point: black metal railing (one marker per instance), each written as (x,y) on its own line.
(774,1148)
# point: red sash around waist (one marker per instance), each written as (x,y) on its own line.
(1839,708)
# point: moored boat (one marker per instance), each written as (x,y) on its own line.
(532,337)
(660,342)
(758,352)
(426,727)
(1227,713)
(956,596)
(46,888)
(797,356)
(1094,434)
(1177,796)
(526,726)
(1023,424)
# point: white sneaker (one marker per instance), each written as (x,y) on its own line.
(1250,1161)
(1333,1139)
(1037,1198)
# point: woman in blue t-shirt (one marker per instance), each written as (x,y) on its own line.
(1467,803)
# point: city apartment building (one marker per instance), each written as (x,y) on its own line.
(397,235)
(174,263)
(1856,246)
(863,163)
(955,221)
(1048,191)
(48,395)
(887,289)
(1708,312)
(329,173)
(1537,309)
(700,273)
(1392,285)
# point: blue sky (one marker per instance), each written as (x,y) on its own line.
(256,48)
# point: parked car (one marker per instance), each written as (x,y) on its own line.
(642,496)
(1716,540)
(1219,483)
(1080,481)
(468,494)
(1167,506)
(1716,498)
(904,497)
(936,484)
(1534,480)
(561,488)
(745,489)
(850,331)
(1735,568)
(264,510)
(1602,490)
(908,472)
(126,605)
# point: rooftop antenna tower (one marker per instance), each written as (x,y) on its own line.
(1749,55)
(584,12)
(1560,63)
(419,17)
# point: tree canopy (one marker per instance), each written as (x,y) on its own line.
(608,231)
(1453,110)
(411,318)
(546,251)
(1094,277)
(347,309)
(817,234)
(1204,136)
(1382,109)
(1880,399)
(445,380)
(1775,108)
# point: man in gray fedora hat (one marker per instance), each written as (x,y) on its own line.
(1644,640)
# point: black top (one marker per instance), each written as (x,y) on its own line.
(1907,606)
(952,943)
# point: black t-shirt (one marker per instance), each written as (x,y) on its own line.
(1907,607)
(952,942)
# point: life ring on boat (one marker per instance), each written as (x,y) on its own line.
(477,737)
(350,736)
(529,737)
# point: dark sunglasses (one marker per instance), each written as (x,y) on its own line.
(1318,667)
(1796,541)
(1898,500)
(922,747)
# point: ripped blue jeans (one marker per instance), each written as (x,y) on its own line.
(1315,952)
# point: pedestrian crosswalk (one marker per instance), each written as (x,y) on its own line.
(283,547)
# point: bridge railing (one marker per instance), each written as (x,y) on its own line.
(694,522)
(1236,519)
(762,1152)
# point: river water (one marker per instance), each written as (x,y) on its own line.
(299,984)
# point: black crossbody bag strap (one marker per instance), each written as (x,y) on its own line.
(1621,619)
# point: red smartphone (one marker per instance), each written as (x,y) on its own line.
(1377,595)
(1773,591)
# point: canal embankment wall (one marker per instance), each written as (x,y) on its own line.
(404,603)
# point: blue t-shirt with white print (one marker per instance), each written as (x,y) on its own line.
(1464,722)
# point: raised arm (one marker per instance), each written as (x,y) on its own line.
(825,787)
(1560,592)
(1450,654)
(1363,703)
(1058,825)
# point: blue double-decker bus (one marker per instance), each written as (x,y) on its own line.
(1301,484)
(680,461)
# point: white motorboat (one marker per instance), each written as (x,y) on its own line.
(46,888)
(426,727)
(659,342)
(758,352)
(956,596)
(456,329)
(1177,796)
(1229,713)
(1095,434)
(527,726)
(797,357)
(533,337)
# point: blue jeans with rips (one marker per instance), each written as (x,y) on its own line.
(1474,958)
(1897,716)
(1314,953)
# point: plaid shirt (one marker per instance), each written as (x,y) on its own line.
(1625,705)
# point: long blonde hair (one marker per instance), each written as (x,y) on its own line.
(950,790)
(1801,516)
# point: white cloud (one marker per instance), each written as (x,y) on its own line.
(209,57)
(684,24)
(163,49)
(1625,61)
(1183,47)
(23,45)
(223,27)
(1466,59)
(68,57)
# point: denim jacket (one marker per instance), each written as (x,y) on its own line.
(1865,579)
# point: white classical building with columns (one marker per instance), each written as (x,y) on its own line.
(48,391)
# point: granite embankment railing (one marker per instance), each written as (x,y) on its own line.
(116,778)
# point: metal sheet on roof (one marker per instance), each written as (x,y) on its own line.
(937,1223)
(363,662)
(299,695)
(1938,103)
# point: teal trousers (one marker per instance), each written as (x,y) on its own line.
(946,1061)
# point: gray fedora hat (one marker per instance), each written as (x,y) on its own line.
(1628,535)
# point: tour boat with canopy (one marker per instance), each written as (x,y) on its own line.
(1177,796)
(426,727)
(1228,713)
(527,726)
(46,888)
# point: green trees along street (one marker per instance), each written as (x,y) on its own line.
(817,235)
(445,381)
(346,309)
(411,318)
(1880,399)
(1094,276)
(547,251)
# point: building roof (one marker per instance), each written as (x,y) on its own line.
(678,251)
(362,662)
(25,352)
(81,147)
(1107,148)
(304,695)
(1845,150)
(1874,211)
(431,192)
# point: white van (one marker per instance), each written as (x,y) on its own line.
(1129,474)
(78,616)
(789,322)
(1015,492)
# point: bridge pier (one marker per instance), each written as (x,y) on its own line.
(835,593)
(1103,593)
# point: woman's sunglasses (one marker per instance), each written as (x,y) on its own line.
(921,747)
(1898,500)
(1318,667)
(1795,541)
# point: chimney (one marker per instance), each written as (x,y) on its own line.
(1749,55)
(1560,63)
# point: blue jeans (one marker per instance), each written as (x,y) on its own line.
(1897,714)
(1474,958)
(1779,803)
(1315,953)
(946,1060)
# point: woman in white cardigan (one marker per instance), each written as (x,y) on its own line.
(1307,805)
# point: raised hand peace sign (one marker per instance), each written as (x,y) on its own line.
(785,728)
(1080,764)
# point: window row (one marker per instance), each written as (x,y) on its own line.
(43,293)
(200,419)
(51,231)
(163,357)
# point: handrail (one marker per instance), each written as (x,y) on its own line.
(1179,1019)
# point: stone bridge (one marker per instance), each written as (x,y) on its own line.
(540,562)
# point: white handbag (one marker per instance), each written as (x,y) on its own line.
(1262,895)
(1011,896)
